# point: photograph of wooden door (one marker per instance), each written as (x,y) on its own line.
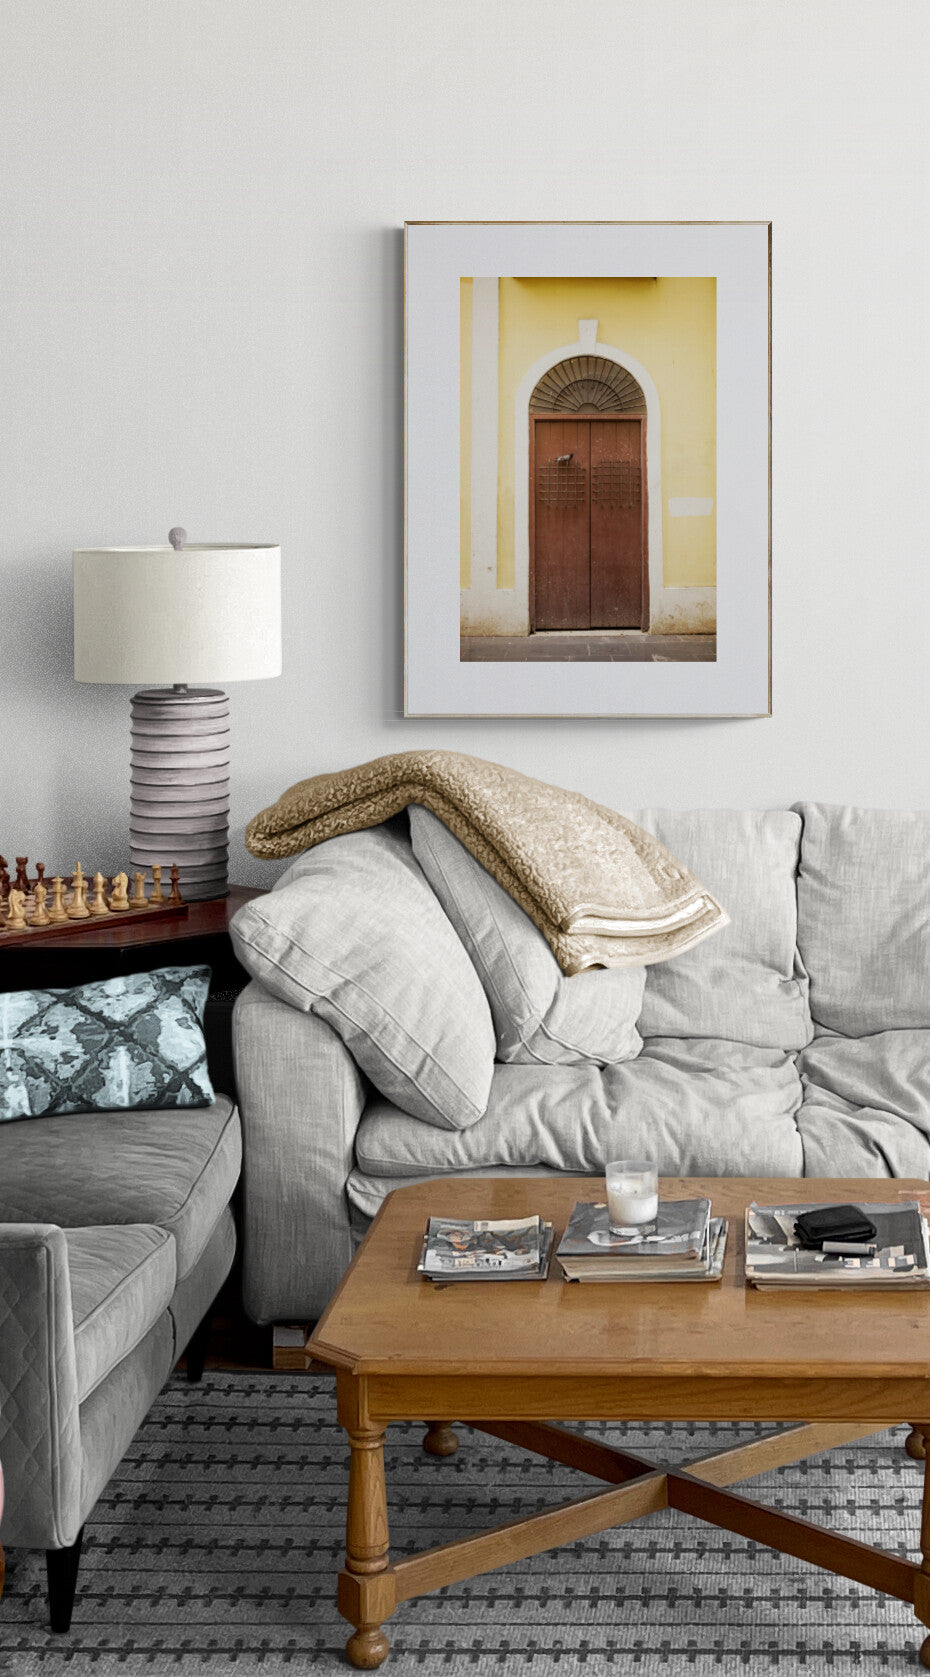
(588,521)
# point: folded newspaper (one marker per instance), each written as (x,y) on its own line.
(505,1249)
(776,1258)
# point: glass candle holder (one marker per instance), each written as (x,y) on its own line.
(632,1197)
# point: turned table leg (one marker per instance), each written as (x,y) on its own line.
(440,1439)
(922,1580)
(366,1594)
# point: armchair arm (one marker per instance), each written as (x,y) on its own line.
(301,1096)
(40,1433)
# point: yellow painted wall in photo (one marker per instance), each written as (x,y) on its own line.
(670,327)
(465,317)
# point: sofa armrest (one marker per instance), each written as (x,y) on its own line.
(40,1432)
(301,1096)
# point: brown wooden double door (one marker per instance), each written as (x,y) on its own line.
(588,533)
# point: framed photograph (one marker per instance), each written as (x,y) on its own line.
(587,469)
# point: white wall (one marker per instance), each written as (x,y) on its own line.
(201,323)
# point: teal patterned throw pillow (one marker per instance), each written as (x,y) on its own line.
(123,1043)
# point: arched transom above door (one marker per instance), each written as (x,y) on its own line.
(587,384)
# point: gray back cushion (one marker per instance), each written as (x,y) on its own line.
(864,917)
(745,983)
(539,1015)
(353,934)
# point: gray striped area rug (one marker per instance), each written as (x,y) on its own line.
(215,1549)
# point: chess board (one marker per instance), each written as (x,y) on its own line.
(69,905)
(74,928)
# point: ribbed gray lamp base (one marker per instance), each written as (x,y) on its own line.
(179,809)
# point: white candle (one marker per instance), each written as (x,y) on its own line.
(632,1195)
(627,1205)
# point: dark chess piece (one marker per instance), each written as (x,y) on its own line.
(4,878)
(23,882)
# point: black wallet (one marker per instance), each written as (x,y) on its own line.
(834,1222)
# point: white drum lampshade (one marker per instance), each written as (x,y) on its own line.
(178,615)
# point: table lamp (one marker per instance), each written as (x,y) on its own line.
(178,615)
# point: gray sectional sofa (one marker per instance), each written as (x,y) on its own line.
(116,1234)
(794,1042)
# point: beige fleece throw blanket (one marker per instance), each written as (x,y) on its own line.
(603,892)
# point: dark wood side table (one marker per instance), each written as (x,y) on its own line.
(201,937)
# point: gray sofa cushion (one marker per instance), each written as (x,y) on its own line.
(122,1280)
(866,1104)
(746,983)
(540,1016)
(353,933)
(366,1193)
(697,1108)
(175,1169)
(864,917)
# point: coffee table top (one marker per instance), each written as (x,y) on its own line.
(385,1319)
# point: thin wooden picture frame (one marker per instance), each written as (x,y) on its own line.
(567,268)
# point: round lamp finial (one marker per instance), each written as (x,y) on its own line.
(177,537)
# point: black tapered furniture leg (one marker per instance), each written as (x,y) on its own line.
(197,1349)
(61,1566)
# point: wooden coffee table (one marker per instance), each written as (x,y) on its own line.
(510,1358)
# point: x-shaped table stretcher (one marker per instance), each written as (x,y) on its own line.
(370,1587)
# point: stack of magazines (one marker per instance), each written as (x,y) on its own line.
(899,1262)
(687,1244)
(511,1249)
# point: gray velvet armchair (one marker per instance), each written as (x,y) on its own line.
(116,1234)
